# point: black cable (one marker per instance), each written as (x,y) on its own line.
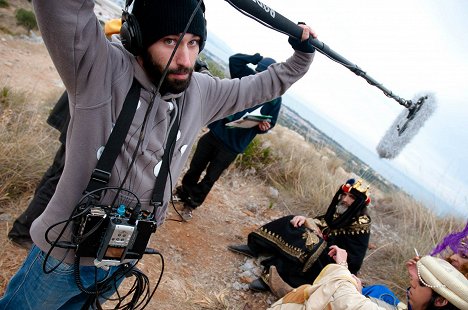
(170,174)
(140,292)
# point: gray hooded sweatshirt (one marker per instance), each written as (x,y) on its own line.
(97,75)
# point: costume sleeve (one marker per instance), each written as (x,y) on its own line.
(356,246)
(335,288)
(238,64)
(347,297)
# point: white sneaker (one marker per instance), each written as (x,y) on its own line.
(186,213)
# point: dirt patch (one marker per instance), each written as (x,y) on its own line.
(27,67)
(200,271)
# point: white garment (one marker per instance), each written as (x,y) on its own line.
(334,289)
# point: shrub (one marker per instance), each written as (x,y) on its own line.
(26,19)
(4,92)
(256,157)
(4,4)
(215,69)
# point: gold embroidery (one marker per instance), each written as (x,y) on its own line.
(361,225)
(311,239)
(285,247)
(314,256)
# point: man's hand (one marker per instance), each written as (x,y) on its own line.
(413,261)
(298,220)
(264,126)
(307,32)
(339,255)
(303,45)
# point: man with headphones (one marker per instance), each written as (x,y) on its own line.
(98,74)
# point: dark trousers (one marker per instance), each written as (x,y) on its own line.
(212,155)
(44,192)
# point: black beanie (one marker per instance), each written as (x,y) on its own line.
(159,18)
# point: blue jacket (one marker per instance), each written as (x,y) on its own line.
(237,139)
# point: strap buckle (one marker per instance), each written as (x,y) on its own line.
(100,176)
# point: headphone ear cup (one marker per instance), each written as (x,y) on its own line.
(130,34)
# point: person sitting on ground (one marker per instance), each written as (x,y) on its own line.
(453,248)
(295,244)
(219,147)
(434,284)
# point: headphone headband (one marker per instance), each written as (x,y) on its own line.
(131,33)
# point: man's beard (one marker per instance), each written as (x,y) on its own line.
(154,71)
(341,208)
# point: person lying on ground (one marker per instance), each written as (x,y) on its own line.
(434,284)
(296,245)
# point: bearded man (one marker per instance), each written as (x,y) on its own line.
(298,246)
(160,42)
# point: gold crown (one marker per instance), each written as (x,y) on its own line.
(358,186)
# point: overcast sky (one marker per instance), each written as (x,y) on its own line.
(408,46)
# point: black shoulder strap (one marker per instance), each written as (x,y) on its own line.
(101,174)
(160,183)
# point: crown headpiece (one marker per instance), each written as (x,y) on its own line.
(353,185)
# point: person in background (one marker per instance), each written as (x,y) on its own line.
(295,244)
(98,75)
(219,147)
(434,284)
(453,248)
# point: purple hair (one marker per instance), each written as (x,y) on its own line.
(457,242)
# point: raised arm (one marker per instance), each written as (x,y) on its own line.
(75,41)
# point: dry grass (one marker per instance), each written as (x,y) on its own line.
(301,171)
(216,301)
(27,145)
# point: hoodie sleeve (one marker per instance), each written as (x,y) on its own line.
(77,45)
(228,96)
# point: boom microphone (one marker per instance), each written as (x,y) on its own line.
(407,124)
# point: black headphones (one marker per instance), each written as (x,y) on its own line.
(130,32)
